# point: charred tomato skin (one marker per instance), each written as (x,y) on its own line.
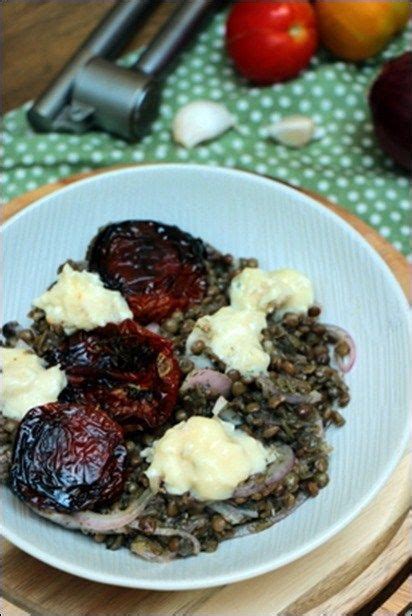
(67,458)
(158,268)
(127,370)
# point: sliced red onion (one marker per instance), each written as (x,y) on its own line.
(214,382)
(169,532)
(62,519)
(109,522)
(233,515)
(103,523)
(345,364)
(275,472)
(269,389)
(253,527)
(174,532)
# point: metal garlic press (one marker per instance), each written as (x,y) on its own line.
(92,92)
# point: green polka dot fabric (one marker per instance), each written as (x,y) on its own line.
(344,164)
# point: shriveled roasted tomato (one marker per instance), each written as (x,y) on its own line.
(158,268)
(68,457)
(127,370)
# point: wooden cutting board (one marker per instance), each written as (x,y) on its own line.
(335,579)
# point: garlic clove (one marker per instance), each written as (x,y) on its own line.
(294,131)
(200,121)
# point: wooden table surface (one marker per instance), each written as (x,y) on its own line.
(38,38)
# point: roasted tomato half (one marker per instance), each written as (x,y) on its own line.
(68,457)
(127,370)
(158,268)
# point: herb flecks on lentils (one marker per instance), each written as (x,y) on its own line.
(293,404)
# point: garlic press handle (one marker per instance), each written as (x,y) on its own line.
(178,29)
(111,34)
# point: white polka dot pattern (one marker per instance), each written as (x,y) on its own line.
(345,164)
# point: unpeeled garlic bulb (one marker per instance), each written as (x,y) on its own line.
(200,121)
(294,131)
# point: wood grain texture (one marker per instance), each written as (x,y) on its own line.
(337,578)
(39,36)
(379,573)
(8,609)
(398,601)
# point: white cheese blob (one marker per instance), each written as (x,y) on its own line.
(234,336)
(26,382)
(254,289)
(287,289)
(79,300)
(206,457)
(300,291)
(233,333)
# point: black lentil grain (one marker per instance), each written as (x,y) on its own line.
(218,523)
(174,544)
(342,348)
(252,407)
(270,432)
(186,365)
(312,488)
(321,479)
(290,320)
(198,347)
(337,418)
(238,388)
(171,326)
(314,311)
(288,367)
(234,375)
(172,509)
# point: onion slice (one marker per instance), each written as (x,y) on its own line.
(103,523)
(269,389)
(107,522)
(213,382)
(345,364)
(170,532)
(173,532)
(253,527)
(62,519)
(275,472)
(233,515)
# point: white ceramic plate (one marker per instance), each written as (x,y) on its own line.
(248,216)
